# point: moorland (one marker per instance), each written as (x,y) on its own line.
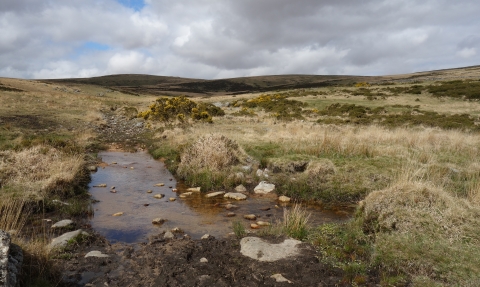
(402,151)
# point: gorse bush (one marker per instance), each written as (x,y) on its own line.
(180,108)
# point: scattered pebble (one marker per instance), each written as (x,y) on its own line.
(263,223)
(203,260)
(159,196)
(118,214)
(250,216)
(284,198)
(160,184)
(254,226)
(172,199)
(158,220)
(195,189)
(206,236)
(280,278)
(149,191)
(231,214)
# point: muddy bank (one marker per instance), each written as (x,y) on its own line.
(177,262)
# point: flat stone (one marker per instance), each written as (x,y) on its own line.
(263,188)
(185,194)
(235,195)
(149,191)
(263,223)
(203,260)
(250,216)
(96,253)
(206,236)
(63,239)
(62,223)
(284,198)
(118,214)
(194,189)
(213,194)
(258,249)
(240,188)
(254,226)
(172,199)
(158,220)
(160,184)
(279,278)
(231,214)
(159,196)
(168,235)
(230,206)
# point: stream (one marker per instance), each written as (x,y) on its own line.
(133,174)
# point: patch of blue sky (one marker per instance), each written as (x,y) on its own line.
(89,47)
(136,5)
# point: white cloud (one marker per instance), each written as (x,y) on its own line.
(467,52)
(212,39)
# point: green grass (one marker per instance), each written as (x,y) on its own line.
(239,229)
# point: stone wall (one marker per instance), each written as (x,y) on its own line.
(11,258)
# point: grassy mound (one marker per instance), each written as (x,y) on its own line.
(424,232)
(207,161)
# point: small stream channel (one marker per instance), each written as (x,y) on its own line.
(133,174)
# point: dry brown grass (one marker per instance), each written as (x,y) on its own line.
(212,152)
(35,171)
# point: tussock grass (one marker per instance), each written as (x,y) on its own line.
(423,231)
(295,222)
(39,170)
(14,214)
(208,161)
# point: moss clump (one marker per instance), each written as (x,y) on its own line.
(180,108)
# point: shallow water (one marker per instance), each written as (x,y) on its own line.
(133,174)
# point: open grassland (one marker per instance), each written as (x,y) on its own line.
(406,155)
(416,177)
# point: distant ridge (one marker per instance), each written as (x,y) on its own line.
(165,85)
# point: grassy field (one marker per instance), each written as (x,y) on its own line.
(404,154)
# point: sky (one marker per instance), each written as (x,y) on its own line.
(212,39)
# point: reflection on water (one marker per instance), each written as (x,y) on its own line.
(133,174)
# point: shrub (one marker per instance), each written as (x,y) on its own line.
(179,108)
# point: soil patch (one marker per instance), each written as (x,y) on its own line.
(176,262)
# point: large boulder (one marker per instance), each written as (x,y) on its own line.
(258,249)
(11,259)
(264,187)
